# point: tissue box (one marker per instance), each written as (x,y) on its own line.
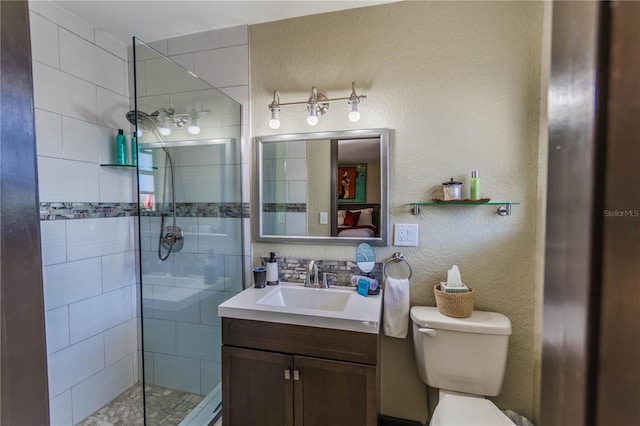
(456,305)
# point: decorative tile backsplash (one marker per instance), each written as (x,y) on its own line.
(295,270)
(77,210)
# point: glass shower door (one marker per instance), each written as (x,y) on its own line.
(189,179)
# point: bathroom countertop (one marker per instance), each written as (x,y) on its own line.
(292,303)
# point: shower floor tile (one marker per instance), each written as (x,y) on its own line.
(165,407)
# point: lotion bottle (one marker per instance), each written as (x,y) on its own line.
(272,269)
(474,187)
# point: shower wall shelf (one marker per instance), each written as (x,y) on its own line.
(125,166)
(503,210)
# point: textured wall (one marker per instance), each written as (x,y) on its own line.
(459,85)
(318,193)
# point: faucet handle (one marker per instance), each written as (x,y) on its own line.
(325,282)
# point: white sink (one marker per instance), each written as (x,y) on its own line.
(292,303)
(298,297)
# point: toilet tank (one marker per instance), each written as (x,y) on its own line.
(466,355)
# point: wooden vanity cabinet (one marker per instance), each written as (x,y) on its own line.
(290,375)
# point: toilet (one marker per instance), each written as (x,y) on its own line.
(465,358)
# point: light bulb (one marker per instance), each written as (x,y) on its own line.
(354,114)
(274,123)
(165,123)
(139,132)
(312,119)
(193,128)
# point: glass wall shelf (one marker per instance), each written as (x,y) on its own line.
(503,210)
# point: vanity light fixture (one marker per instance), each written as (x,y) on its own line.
(166,118)
(317,105)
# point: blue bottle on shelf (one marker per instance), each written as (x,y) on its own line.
(134,150)
(121,148)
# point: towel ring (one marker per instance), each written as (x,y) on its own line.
(397,257)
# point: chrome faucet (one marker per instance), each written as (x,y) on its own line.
(312,268)
(325,278)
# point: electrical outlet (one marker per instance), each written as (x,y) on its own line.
(406,235)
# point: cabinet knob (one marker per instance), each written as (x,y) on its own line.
(287,374)
(296,374)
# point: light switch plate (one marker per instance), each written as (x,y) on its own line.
(324,218)
(405,234)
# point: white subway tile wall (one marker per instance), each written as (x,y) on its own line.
(61,410)
(90,395)
(285,182)
(81,97)
(53,242)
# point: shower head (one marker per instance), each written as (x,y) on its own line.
(148,121)
(142,119)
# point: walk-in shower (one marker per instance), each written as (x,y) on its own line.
(171,237)
(145,337)
(190,234)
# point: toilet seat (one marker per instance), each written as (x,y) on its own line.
(455,409)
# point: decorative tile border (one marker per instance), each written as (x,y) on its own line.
(295,270)
(78,210)
(284,207)
(234,210)
(75,210)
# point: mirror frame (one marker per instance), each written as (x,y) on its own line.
(381,133)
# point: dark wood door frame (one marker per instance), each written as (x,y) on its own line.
(23,373)
(590,353)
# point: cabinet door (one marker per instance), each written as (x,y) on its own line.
(255,388)
(334,393)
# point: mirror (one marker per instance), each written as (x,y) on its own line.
(324,187)
(365,257)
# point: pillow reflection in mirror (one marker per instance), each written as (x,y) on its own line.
(365,217)
(351,218)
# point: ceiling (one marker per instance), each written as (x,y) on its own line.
(152,20)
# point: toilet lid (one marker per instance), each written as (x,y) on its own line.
(466,410)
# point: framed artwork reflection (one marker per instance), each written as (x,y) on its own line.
(352,183)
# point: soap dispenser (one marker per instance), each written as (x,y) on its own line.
(272,269)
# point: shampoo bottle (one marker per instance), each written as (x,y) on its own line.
(474,187)
(272,269)
(121,148)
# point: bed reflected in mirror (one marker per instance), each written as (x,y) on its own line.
(323,187)
(357,187)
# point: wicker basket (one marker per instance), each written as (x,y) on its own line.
(456,305)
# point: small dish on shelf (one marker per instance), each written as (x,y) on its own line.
(466,200)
